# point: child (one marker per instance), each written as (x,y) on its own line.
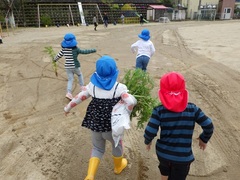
(105,20)
(105,92)
(1,40)
(70,51)
(141,19)
(144,48)
(122,18)
(95,23)
(176,118)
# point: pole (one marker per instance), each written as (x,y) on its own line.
(81,13)
(199,9)
(71,14)
(38,10)
(199,5)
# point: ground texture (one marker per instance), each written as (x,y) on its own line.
(39,143)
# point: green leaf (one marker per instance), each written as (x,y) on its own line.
(140,85)
(52,54)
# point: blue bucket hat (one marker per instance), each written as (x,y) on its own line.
(69,41)
(145,35)
(106,73)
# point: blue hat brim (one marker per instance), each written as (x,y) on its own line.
(145,38)
(104,83)
(69,44)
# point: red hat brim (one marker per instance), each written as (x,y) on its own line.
(176,102)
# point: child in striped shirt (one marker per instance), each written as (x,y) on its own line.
(72,65)
(176,118)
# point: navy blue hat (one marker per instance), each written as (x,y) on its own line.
(106,73)
(145,35)
(69,41)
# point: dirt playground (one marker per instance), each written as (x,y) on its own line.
(37,142)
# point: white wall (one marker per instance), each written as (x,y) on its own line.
(193,5)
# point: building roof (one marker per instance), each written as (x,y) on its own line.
(158,7)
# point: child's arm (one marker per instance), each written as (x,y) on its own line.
(86,51)
(134,47)
(129,100)
(207,126)
(83,95)
(151,129)
(152,48)
(59,55)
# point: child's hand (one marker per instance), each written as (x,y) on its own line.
(148,147)
(66,113)
(201,144)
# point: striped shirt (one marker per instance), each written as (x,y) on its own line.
(71,56)
(175,142)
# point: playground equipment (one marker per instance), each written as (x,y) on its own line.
(71,14)
(62,14)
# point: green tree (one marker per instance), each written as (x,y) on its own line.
(108,2)
(46,20)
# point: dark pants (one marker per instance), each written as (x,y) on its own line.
(106,23)
(174,171)
(95,26)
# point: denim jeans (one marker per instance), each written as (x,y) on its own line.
(70,75)
(142,62)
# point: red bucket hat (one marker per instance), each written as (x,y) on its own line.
(172,92)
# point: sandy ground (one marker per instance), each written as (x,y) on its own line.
(39,143)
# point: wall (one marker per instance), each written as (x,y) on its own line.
(227,4)
(193,6)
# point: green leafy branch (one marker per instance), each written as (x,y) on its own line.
(140,85)
(52,54)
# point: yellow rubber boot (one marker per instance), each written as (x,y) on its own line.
(119,164)
(92,168)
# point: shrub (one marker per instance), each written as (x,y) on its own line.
(46,20)
(140,85)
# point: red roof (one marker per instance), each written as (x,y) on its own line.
(158,7)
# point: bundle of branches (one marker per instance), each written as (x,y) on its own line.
(52,54)
(140,84)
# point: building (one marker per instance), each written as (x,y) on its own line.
(226,9)
(207,8)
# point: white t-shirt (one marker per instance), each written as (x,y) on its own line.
(143,48)
(101,93)
(121,91)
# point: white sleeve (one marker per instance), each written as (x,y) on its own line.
(82,96)
(134,47)
(130,101)
(122,88)
(152,49)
